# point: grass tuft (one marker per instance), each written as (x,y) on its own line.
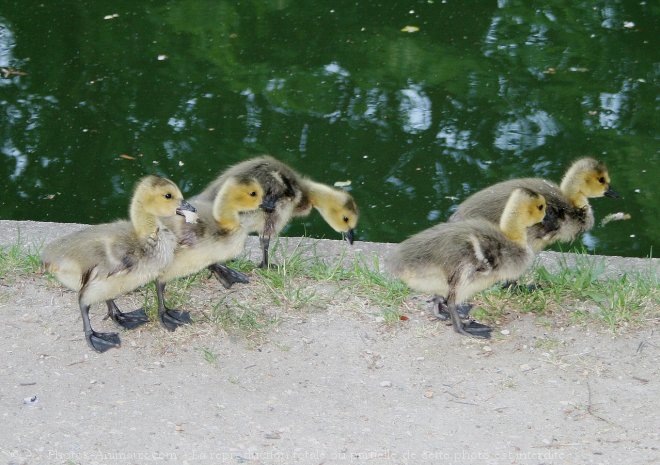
(242,264)
(383,290)
(284,281)
(210,356)
(19,260)
(241,318)
(581,292)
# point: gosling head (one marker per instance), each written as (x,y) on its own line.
(587,178)
(524,208)
(529,208)
(340,211)
(160,197)
(236,196)
(242,195)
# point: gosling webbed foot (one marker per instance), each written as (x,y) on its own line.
(441,311)
(533,287)
(100,342)
(468,328)
(131,320)
(477,329)
(172,319)
(227,276)
(463,312)
(473,329)
(128,320)
(515,286)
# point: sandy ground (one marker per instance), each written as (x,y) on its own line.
(334,385)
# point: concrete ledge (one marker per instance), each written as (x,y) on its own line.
(35,234)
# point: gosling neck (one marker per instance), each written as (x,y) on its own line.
(579,200)
(570,187)
(225,214)
(318,193)
(512,227)
(144,223)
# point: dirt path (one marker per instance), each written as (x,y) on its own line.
(331,386)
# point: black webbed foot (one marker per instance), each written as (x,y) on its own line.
(469,328)
(477,329)
(172,319)
(441,311)
(227,276)
(101,342)
(128,320)
(473,329)
(131,320)
(515,286)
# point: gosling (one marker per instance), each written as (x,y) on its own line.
(105,261)
(288,195)
(568,203)
(219,235)
(460,259)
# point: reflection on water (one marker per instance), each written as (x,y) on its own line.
(475,93)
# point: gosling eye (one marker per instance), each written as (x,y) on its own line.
(601,180)
(540,208)
(168,196)
(345,219)
(253,194)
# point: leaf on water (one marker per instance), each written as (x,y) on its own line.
(9,72)
(162,57)
(126,157)
(112,16)
(410,29)
(628,24)
(620,216)
(342,183)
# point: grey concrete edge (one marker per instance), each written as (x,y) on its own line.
(33,235)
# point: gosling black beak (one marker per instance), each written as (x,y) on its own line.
(612,193)
(185,206)
(268,203)
(349,235)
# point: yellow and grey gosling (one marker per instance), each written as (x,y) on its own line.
(568,202)
(460,259)
(336,206)
(219,235)
(288,194)
(105,261)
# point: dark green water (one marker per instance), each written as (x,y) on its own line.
(482,92)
